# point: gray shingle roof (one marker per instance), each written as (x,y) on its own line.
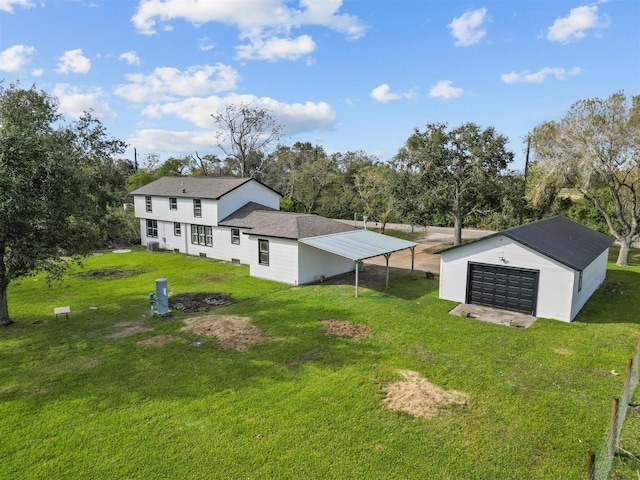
(559,238)
(192,187)
(261,220)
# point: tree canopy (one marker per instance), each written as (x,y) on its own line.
(453,173)
(244,134)
(57,183)
(595,149)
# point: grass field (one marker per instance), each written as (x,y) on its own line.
(78,403)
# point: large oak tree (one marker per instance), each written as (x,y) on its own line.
(454,173)
(595,149)
(57,183)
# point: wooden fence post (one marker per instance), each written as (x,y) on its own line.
(613,433)
(591,466)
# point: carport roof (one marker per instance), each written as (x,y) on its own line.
(358,244)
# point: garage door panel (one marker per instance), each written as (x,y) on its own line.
(502,287)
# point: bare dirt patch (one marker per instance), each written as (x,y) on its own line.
(355,331)
(199,302)
(231,331)
(110,273)
(127,329)
(158,340)
(418,397)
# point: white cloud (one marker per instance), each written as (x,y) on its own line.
(205,44)
(73,61)
(296,118)
(74,102)
(468,29)
(166,83)
(158,140)
(37,72)
(130,57)
(7,5)
(539,76)
(14,58)
(575,25)
(274,48)
(273,14)
(382,93)
(444,89)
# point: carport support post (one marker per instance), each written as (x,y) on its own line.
(357,268)
(386,257)
(413,251)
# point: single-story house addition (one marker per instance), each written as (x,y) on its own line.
(238,220)
(547,268)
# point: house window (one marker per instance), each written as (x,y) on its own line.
(580,282)
(263,252)
(235,236)
(148,203)
(197,208)
(173,203)
(152,228)
(202,235)
(177,229)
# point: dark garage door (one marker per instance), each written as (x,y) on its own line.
(508,288)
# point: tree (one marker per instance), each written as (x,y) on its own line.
(456,171)
(595,149)
(372,185)
(57,183)
(244,134)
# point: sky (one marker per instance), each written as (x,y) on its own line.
(345,75)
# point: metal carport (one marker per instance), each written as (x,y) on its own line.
(359,245)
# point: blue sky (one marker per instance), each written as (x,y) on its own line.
(342,74)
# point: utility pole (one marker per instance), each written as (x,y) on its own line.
(526,171)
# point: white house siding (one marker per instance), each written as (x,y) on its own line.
(223,249)
(283,259)
(314,263)
(247,192)
(592,278)
(555,281)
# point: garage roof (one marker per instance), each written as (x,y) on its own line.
(358,244)
(559,238)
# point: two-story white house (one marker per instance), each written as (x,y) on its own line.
(239,220)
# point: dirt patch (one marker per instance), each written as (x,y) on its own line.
(199,302)
(418,397)
(355,331)
(127,329)
(614,287)
(109,273)
(158,340)
(232,332)
(562,351)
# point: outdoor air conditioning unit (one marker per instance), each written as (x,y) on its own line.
(153,246)
(203,255)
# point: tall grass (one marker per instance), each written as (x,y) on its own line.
(78,404)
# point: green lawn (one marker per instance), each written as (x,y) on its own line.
(78,404)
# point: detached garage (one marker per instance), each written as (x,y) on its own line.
(547,268)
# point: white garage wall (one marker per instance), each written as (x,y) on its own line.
(555,283)
(314,263)
(592,278)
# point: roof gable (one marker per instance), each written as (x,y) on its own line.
(195,187)
(558,238)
